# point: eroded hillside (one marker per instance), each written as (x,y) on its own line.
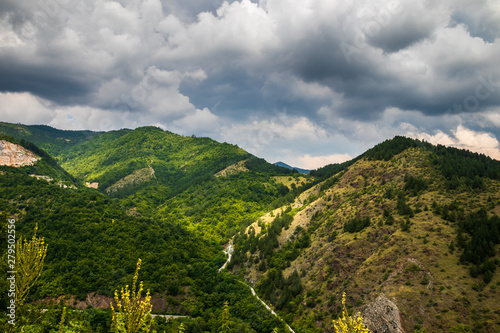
(386,232)
(15,155)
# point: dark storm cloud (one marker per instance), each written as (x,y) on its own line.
(187,10)
(9,7)
(476,29)
(65,87)
(479,18)
(398,38)
(368,81)
(320,58)
(401,25)
(226,92)
(265,71)
(34,66)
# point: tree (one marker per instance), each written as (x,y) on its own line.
(133,314)
(30,256)
(349,324)
(225,318)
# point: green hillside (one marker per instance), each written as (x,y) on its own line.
(221,206)
(175,162)
(209,187)
(93,246)
(407,225)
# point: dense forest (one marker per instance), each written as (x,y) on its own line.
(93,246)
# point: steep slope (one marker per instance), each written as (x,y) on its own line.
(23,157)
(222,206)
(409,230)
(15,155)
(209,187)
(411,234)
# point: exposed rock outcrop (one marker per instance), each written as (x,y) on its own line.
(138,177)
(15,155)
(382,316)
(232,169)
(159,302)
(92,185)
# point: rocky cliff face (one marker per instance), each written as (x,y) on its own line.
(382,316)
(15,156)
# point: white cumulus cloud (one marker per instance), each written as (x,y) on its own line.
(464,138)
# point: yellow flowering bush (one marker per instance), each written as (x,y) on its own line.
(133,314)
(349,324)
(30,256)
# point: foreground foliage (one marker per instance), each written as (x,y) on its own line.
(134,314)
(30,256)
(349,324)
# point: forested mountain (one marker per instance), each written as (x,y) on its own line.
(45,165)
(156,172)
(94,243)
(410,231)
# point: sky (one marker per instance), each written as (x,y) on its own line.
(306,82)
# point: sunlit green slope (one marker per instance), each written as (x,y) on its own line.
(93,247)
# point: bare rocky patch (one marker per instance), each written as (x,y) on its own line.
(232,169)
(134,179)
(15,155)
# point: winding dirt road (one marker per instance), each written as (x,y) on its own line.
(229,251)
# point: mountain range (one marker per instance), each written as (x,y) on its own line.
(410,231)
(283,164)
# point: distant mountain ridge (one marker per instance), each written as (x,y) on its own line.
(284,165)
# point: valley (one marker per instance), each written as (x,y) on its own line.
(409,231)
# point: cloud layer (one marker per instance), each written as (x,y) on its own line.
(307,82)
